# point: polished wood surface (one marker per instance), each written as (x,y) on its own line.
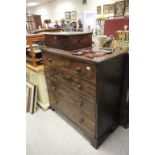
(109,86)
(72,66)
(72,97)
(45,30)
(50,30)
(72,105)
(79,85)
(68,41)
(86,91)
(67,33)
(95,60)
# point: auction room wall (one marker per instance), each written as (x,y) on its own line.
(55,9)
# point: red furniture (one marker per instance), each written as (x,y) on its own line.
(112,25)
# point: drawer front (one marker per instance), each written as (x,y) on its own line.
(78,118)
(66,95)
(53,41)
(75,68)
(82,87)
(69,43)
(82,41)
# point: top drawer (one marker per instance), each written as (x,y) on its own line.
(70,42)
(54,41)
(73,67)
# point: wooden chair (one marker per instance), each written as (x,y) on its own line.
(31,38)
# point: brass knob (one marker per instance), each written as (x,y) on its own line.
(52,73)
(81,41)
(55,37)
(78,70)
(49,59)
(81,120)
(81,104)
(79,86)
(53,88)
(88,68)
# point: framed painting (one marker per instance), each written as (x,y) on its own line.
(106,8)
(31,97)
(67,15)
(73,15)
(119,8)
(111,8)
(98,9)
(28,102)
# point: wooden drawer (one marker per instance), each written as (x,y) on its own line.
(68,96)
(54,41)
(78,117)
(83,87)
(78,42)
(75,68)
(69,42)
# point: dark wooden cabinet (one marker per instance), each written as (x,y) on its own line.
(124,109)
(86,91)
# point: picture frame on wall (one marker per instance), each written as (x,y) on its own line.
(67,15)
(106,8)
(98,9)
(73,15)
(119,8)
(111,8)
(127,5)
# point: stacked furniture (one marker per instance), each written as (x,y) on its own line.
(86,91)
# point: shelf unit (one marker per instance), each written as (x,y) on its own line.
(33,22)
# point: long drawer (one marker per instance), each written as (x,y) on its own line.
(61,93)
(83,87)
(68,43)
(78,117)
(79,69)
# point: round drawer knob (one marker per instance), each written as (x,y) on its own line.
(52,73)
(50,59)
(81,104)
(81,41)
(55,37)
(88,68)
(79,86)
(53,88)
(81,120)
(78,70)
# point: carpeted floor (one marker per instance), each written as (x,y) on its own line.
(48,134)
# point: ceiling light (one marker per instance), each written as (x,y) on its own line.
(32,4)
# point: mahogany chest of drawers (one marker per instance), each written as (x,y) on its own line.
(87,92)
(68,41)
